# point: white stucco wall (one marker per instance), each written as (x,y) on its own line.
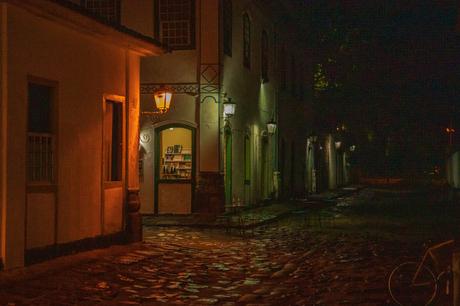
(255,101)
(85,68)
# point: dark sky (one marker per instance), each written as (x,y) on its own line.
(409,58)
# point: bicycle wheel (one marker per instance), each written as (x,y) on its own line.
(405,292)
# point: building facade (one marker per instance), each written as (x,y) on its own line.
(194,158)
(69,127)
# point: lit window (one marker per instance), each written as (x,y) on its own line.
(176,24)
(40,137)
(264,56)
(228,27)
(246,41)
(106,9)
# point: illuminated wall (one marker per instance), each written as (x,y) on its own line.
(84,69)
(256,101)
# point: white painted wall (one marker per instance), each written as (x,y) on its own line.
(85,69)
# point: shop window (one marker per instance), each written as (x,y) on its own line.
(40,136)
(176,23)
(228,27)
(175,154)
(113,144)
(246,41)
(106,9)
(264,57)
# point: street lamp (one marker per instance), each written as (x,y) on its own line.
(229,108)
(271,127)
(163,99)
(450,131)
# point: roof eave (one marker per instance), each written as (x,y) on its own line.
(71,18)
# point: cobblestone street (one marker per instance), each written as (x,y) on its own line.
(293,262)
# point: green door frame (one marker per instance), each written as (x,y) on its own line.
(228,166)
(157,163)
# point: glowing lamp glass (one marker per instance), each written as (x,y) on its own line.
(163,100)
(271,127)
(229,108)
(338,144)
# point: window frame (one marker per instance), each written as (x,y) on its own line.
(107,98)
(44,185)
(192,28)
(246,40)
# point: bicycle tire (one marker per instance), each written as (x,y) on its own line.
(404,293)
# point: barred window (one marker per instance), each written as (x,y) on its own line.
(105,9)
(176,23)
(40,138)
(264,56)
(246,41)
(228,27)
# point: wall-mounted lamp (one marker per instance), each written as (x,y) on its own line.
(338,144)
(229,108)
(313,137)
(271,126)
(163,98)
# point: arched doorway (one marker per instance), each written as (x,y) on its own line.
(174,169)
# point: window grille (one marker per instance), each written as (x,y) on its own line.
(40,157)
(176,23)
(106,9)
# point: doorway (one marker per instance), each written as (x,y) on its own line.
(174,169)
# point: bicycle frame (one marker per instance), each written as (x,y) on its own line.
(429,253)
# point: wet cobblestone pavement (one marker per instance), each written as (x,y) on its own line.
(289,263)
(280,264)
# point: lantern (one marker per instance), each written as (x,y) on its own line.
(271,127)
(229,108)
(163,99)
